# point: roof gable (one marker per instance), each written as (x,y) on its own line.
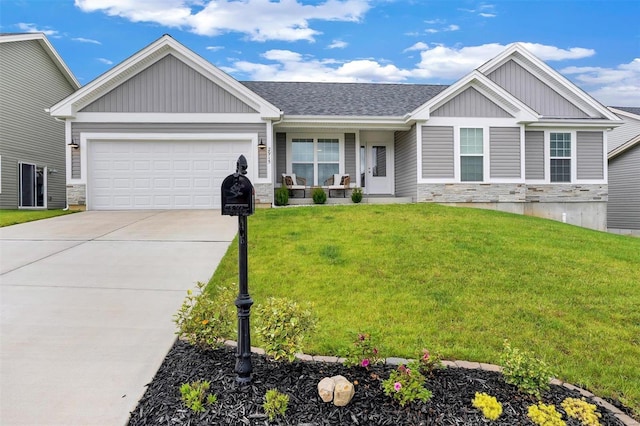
(550,77)
(169,86)
(470,103)
(149,56)
(48,48)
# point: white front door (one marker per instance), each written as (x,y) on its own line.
(376,163)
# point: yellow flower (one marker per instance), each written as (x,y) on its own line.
(205,322)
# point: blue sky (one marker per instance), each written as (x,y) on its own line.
(594,43)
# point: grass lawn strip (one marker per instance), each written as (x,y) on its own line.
(14,217)
(457,281)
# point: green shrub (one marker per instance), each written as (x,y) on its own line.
(356,195)
(545,415)
(204,320)
(275,403)
(319,196)
(429,362)
(520,368)
(406,384)
(193,395)
(488,404)
(283,325)
(581,410)
(282,196)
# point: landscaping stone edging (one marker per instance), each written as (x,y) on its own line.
(625,419)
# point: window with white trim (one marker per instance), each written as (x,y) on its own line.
(471,155)
(316,160)
(560,157)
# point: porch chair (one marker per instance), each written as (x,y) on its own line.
(293,182)
(338,182)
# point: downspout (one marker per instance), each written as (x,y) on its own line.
(66,201)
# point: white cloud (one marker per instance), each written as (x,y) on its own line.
(552,53)
(338,44)
(260,20)
(431,31)
(418,46)
(105,61)
(86,40)
(214,48)
(32,28)
(618,86)
(452,28)
(487,15)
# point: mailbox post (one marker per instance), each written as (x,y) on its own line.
(238,200)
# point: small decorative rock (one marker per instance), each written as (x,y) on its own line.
(343,391)
(325,389)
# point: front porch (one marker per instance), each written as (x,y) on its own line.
(366,199)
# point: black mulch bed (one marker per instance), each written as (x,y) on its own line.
(453,389)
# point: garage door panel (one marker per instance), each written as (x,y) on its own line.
(160,174)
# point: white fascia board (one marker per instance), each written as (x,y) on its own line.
(626,114)
(577,123)
(149,117)
(549,75)
(352,122)
(487,88)
(624,147)
(51,51)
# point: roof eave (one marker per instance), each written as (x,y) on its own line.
(355,122)
(624,147)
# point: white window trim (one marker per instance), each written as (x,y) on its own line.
(315,137)
(547,156)
(486,161)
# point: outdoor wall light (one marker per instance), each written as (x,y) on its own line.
(74,144)
(261,145)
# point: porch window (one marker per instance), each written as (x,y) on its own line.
(316,160)
(471,155)
(560,157)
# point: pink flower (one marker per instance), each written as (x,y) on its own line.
(397,386)
(402,368)
(425,356)
(365,363)
(375,351)
(362,336)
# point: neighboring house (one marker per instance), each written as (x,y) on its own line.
(32,143)
(164,127)
(623,208)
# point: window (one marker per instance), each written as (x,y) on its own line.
(471,155)
(560,157)
(316,160)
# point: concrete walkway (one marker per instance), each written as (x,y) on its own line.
(86,306)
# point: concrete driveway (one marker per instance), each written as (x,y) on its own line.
(86,308)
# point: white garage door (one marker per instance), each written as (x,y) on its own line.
(146,174)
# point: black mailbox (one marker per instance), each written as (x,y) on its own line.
(238,196)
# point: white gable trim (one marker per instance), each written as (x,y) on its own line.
(495,93)
(48,47)
(624,147)
(627,114)
(68,107)
(549,76)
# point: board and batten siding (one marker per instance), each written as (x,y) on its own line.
(258,128)
(504,146)
(470,103)
(534,155)
(437,152)
(623,207)
(29,83)
(590,155)
(169,86)
(533,92)
(405,165)
(350,167)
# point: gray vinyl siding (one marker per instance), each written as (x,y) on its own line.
(281,155)
(533,92)
(534,155)
(406,163)
(169,86)
(259,128)
(590,155)
(29,83)
(437,152)
(504,146)
(623,207)
(622,134)
(350,156)
(470,103)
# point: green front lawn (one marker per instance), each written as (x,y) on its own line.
(13,217)
(458,281)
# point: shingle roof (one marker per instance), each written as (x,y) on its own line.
(344,99)
(631,110)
